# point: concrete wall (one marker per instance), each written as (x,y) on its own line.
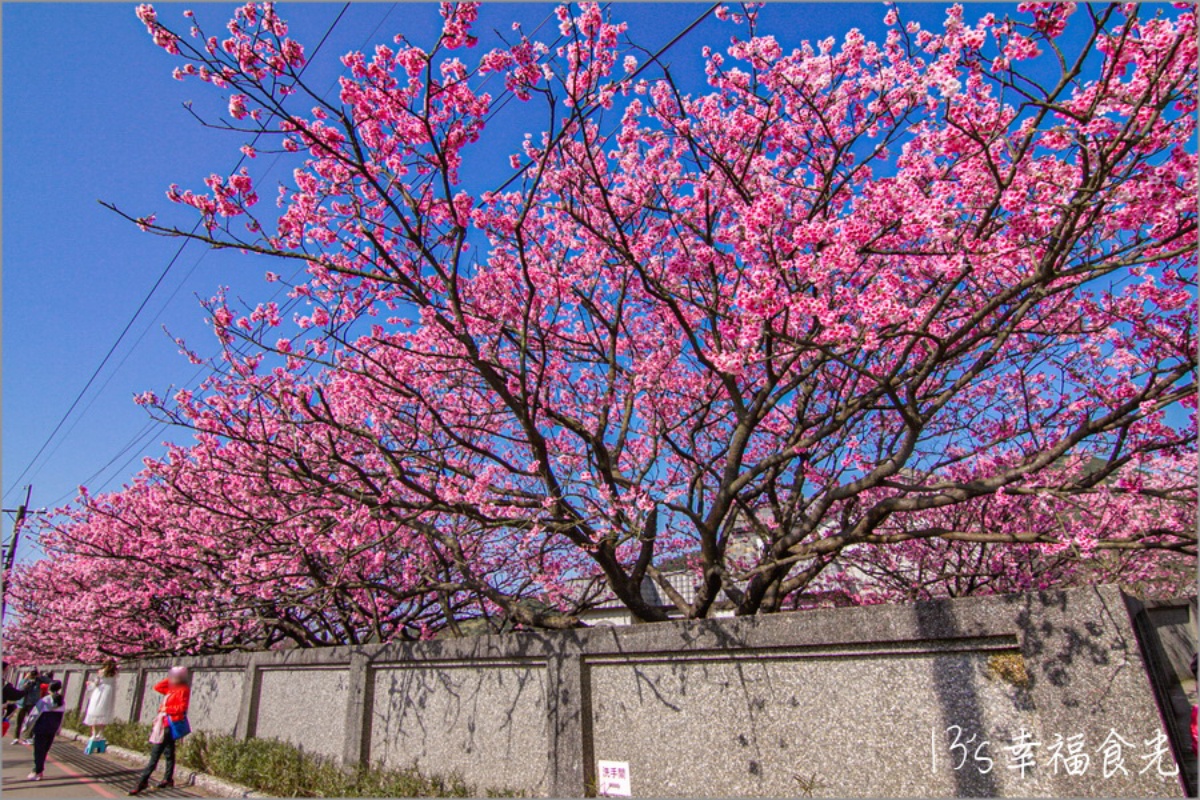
(127,694)
(306,707)
(74,686)
(84,694)
(216,700)
(486,723)
(931,699)
(151,700)
(1167,632)
(767,724)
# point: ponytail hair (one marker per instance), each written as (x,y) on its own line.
(56,692)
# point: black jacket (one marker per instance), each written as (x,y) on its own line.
(49,718)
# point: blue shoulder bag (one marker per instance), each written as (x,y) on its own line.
(179,729)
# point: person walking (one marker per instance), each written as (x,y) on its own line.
(12,695)
(102,701)
(170,726)
(43,724)
(29,698)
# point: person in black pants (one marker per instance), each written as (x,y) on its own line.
(11,697)
(45,720)
(173,711)
(29,699)
(166,750)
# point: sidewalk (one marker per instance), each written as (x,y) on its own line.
(70,773)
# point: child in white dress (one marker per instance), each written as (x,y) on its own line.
(102,701)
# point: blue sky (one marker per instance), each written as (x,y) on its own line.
(91,113)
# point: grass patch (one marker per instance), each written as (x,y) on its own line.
(130,735)
(284,770)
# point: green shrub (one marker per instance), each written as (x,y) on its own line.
(130,735)
(284,770)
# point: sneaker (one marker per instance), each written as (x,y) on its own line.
(33,776)
(37,777)
(16,742)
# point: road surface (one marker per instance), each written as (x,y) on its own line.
(70,773)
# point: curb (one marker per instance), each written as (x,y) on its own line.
(187,777)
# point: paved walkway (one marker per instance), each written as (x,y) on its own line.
(70,773)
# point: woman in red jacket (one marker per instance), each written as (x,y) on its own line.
(170,725)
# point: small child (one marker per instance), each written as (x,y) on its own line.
(174,709)
(102,701)
(43,724)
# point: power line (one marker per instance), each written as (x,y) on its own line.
(116,370)
(104,361)
(157,283)
(143,434)
(175,293)
(653,58)
(142,437)
(11,555)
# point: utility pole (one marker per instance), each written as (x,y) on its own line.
(11,556)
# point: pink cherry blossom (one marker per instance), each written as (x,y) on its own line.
(865,321)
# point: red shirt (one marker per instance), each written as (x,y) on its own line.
(1195,731)
(175,704)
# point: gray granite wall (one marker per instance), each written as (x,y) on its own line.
(151,699)
(877,706)
(777,726)
(1039,694)
(81,700)
(487,724)
(127,680)
(216,698)
(74,687)
(305,707)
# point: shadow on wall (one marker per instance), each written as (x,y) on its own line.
(485,723)
(126,687)
(216,695)
(1074,642)
(845,701)
(957,692)
(152,700)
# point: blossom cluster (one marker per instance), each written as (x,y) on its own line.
(905,324)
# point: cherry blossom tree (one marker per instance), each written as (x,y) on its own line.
(878,306)
(1076,539)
